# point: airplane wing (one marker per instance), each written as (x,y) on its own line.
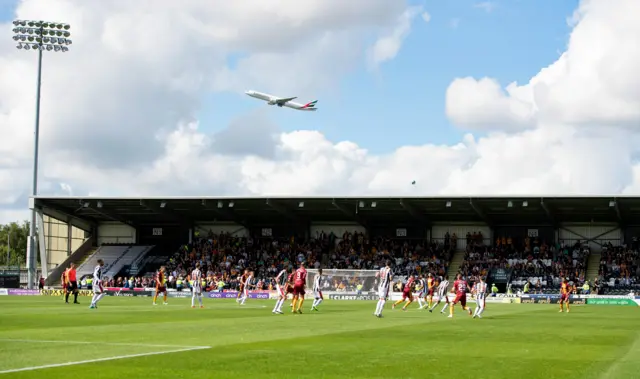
(285,100)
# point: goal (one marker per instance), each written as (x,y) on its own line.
(347,281)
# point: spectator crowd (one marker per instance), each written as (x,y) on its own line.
(534,265)
(223,258)
(619,266)
(529,259)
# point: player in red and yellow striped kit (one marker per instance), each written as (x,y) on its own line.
(161,286)
(565,291)
(431,287)
(407,293)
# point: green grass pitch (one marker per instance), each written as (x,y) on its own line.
(343,340)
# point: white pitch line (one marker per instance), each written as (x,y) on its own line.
(101,343)
(101,360)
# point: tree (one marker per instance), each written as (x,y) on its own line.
(17,234)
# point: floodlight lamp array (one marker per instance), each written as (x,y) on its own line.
(42,35)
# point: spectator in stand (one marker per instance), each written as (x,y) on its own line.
(619,267)
(224,256)
(529,259)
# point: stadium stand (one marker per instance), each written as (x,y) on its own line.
(107,253)
(438,234)
(528,260)
(112,255)
(619,269)
(225,256)
(130,255)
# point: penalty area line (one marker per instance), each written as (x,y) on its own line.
(55,365)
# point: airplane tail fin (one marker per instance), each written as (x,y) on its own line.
(310,104)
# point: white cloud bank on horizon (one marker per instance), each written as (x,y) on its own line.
(122,119)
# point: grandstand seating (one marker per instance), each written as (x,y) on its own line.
(108,253)
(132,254)
(537,263)
(150,265)
(619,269)
(225,255)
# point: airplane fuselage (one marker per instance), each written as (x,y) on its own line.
(273,100)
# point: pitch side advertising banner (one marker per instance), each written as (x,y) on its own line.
(398,295)
(125,292)
(350,296)
(612,301)
(583,299)
(549,299)
(115,289)
(21,292)
(179,293)
(4,292)
(234,294)
(503,300)
(55,292)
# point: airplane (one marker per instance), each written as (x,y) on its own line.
(283,102)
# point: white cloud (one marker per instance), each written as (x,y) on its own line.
(594,83)
(387,47)
(122,121)
(426,16)
(479,104)
(487,6)
(454,23)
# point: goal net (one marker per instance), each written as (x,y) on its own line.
(347,281)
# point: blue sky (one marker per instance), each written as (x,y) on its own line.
(403,102)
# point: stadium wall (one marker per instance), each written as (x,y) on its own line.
(61,239)
(438,231)
(222,227)
(337,228)
(598,234)
(116,233)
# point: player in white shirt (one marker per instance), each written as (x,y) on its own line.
(481,297)
(422,292)
(196,286)
(248,282)
(385,277)
(442,294)
(281,285)
(98,288)
(317,291)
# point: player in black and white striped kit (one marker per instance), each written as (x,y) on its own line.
(98,289)
(385,277)
(281,283)
(442,294)
(317,291)
(196,286)
(422,292)
(481,293)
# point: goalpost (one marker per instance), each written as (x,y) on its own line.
(344,281)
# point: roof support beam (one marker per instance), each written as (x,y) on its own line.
(354,216)
(106,213)
(226,214)
(480,213)
(282,209)
(547,212)
(592,239)
(70,219)
(185,221)
(616,206)
(413,211)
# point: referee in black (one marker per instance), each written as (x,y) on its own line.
(72,286)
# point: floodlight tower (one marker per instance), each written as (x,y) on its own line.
(38,36)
